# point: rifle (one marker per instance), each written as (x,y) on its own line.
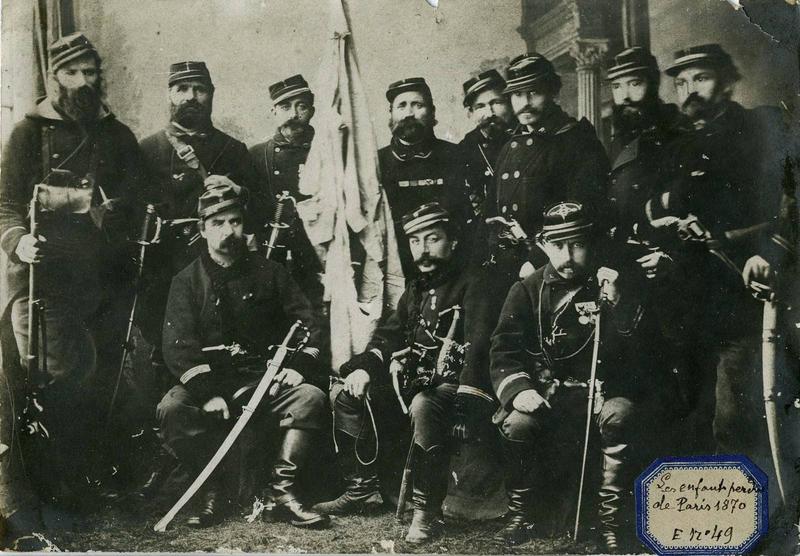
(36,357)
(150,216)
(273,368)
(277,223)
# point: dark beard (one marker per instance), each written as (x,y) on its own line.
(493,127)
(697,108)
(233,246)
(191,115)
(631,118)
(409,129)
(81,104)
(293,129)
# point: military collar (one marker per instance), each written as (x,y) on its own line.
(437,277)
(305,141)
(177,130)
(403,151)
(554,122)
(44,109)
(485,142)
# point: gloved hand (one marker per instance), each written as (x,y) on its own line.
(472,413)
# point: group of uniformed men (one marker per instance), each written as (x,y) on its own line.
(515,243)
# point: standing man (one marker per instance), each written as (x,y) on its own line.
(417,167)
(541,376)
(724,188)
(643,126)
(279,163)
(441,323)
(86,167)
(552,157)
(490,109)
(227,297)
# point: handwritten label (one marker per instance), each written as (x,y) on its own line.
(702,505)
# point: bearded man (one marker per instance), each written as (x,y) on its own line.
(417,167)
(69,147)
(490,109)
(724,176)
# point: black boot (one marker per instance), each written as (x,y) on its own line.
(212,510)
(164,465)
(294,453)
(519,462)
(361,482)
(430,488)
(614,500)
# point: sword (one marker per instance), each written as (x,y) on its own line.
(274,366)
(277,223)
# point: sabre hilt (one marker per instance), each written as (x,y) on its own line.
(513,232)
(277,224)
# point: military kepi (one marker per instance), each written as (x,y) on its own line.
(217,198)
(635,59)
(183,71)
(69,48)
(526,70)
(289,88)
(712,55)
(424,216)
(487,80)
(565,220)
(405,85)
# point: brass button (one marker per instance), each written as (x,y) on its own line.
(504,209)
(56,155)
(516,173)
(635,187)
(529,142)
(515,207)
(513,144)
(504,176)
(277,149)
(276,172)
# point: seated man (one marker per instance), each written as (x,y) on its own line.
(441,324)
(541,359)
(232,298)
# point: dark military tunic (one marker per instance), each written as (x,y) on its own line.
(174,189)
(639,170)
(561,160)
(279,164)
(480,155)
(413,175)
(543,337)
(252,303)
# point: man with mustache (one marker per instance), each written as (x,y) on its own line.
(490,109)
(540,374)
(230,296)
(552,156)
(180,160)
(279,163)
(447,391)
(70,146)
(417,167)
(725,172)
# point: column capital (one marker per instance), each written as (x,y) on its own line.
(589,54)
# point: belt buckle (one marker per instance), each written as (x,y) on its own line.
(186,153)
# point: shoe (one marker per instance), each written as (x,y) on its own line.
(425,526)
(211,511)
(518,528)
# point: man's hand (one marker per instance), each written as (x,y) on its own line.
(529,401)
(756,269)
(654,263)
(287,377)
(218,407)
(356,383)
(30,250)
(607,278)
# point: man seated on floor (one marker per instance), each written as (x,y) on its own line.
(224,312)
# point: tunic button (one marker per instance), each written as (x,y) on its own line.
(513,144)
(514,207)
(56,155)
(504,209)
(505,175)
(635,187)
(277,149)
(516,173)
(52,127)
(276,172)
(432,292)
(529,142)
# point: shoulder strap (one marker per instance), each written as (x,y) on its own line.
(186,153)
(45,134)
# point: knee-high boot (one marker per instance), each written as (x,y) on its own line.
(430,488)
(361,481)
(614,509)
(520,488)
(294,454)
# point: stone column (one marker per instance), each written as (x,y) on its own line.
(589,55)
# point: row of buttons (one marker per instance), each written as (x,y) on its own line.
(528,142)
(505,174)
